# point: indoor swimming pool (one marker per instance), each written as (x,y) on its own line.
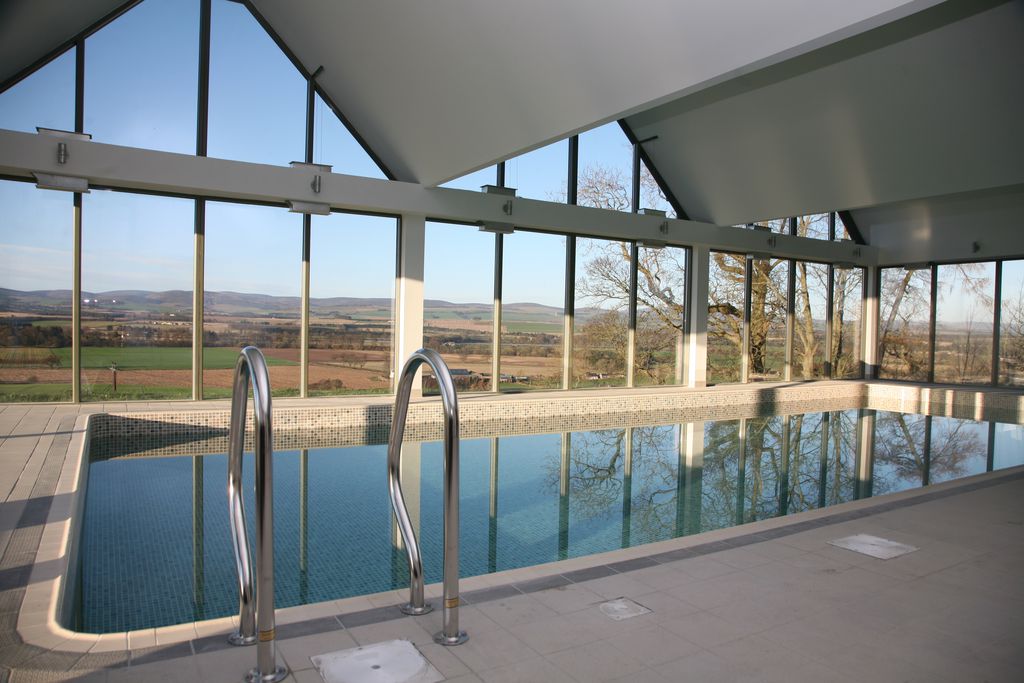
(155,548)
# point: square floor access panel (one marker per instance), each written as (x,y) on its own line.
(393,661)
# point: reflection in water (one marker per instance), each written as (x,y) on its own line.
(524,500)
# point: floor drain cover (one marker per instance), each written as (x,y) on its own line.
(874,546)
(393,661)
(622,608)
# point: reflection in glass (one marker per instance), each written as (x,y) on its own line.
(768,286)
(351,299)
(257,96)
(458,303)
(725,317)
(136,296)
(963,323)
(35,293)
(660,315)
(601,315)
(532,311)
(1011,325)
(44,98)
(846,320)
(810,320)
(158,38)
(905,306)
(1007,445)
(252,286)
(540,174)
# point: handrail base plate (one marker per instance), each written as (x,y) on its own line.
(237,638)
(415,611)
(278,674)
(458,639)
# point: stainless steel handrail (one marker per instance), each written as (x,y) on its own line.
(255,600)
(450,633)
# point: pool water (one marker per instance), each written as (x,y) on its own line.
(156,550)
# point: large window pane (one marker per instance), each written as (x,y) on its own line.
(158,38)
(651,196)
(814,226)
(963,323)
(45,98)
(602,313)
(1011,325)
(351,303)
(848,298)
(660,315)
(811,301)
(334,145)
(136,296)
(532,308)
(605,176)
(257,97)
(458,303)
(725,316)
(475,180)
(540,174)
(768,288)
(35,293)
(251,297)
(903,323)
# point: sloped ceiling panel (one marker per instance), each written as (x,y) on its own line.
(441,88)
(31,29)
(927,106)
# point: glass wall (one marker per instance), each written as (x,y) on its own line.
(814,226)
(605,175)
(768,295)
(904,312)
(811,306)
(36,262)
(136,296)
(458,302)
(475,180)
(847,301)
(725,317)
(251,299)
(257,97)
(45,98)
(963,323)
(660,316)
(158,38)
(1011,325)
(532,311)
(351,303)
(540,174)
(601,317)
(651,196)
(333,144)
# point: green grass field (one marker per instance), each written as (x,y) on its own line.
(156,358)
(528,327)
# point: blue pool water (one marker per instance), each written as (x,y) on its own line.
(156,550)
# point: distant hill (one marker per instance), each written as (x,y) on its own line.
(240,303)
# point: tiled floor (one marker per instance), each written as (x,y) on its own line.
(778,606)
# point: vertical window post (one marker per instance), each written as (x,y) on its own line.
(307,229)
(76,283)
(572,178)
(199,241)
(931,322)
(997,317)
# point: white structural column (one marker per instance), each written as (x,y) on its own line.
(409,295)
(869,336)
(697,348)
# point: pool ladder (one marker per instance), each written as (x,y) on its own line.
(255,599)
(450,633)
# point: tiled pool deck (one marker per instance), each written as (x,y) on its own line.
(766,601)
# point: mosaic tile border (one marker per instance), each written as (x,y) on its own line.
(202,431)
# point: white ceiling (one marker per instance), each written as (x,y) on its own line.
(928,106)
(441,88)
